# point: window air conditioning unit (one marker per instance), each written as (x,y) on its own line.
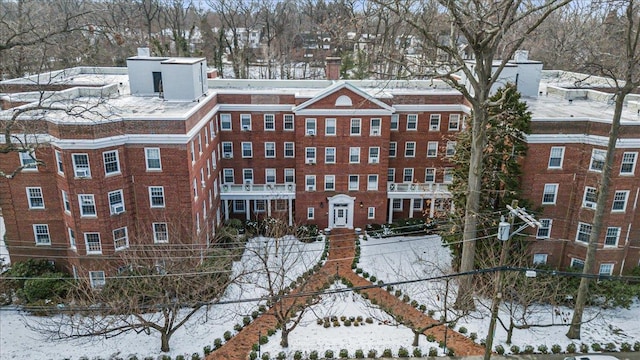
(227,156)
(310,188)
(245,127)
(203,184)
(374,160)
(375,132)
(117,209)
(311,132)
(434,127)
(590,205)
(310,161)
(82,173)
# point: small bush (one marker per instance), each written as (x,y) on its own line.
(328,354)
(227,335)
(500,349)
(515,349)
(336,323)
(372,354)
(347,322)
(433,351)
(543,349)
(297,355)
(195,356)
(473,336)
(571,348)
(180,357)
(246,320)
(611,347)
(262,308)
(389,288)
(263,339)
(417,352)
(237,327)
(625,347)
(403,352)
(451,325)
(556,349)
(266,356)
(636,346)
(359,354)
(422,308)
(281,355)
(373,279)
(358,271)
(431,338)
(462,330)
(270,332)
(451,352)
(528,349)
(405,298)
(584,348)
(596,347)
(344,354)
(255,314)
(431,313)
(313,355)
(166,357)
(255,347)
(217,343)
(387,353)
(368,320)
(365,274)
(398,293)
(207,350)
(253,355)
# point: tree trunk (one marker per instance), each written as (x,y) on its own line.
(164,341)
(510,331)
(416,338)
(284,340)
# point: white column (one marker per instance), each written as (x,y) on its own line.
(390,211)
(289,208)
(269,207)
(453,206)
(247,210)
(432,208)
(226,210)
(411,201)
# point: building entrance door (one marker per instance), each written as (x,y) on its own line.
(340,215)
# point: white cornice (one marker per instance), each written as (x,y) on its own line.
(433,108)
(256,107)
(629,143)
(345,112)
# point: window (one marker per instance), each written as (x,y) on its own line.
(225,122)
(447,175)
(371,212)
(310,213)
(28,161)
(330,155)
(330,182)
(72,239)
(434,122)
(407,175)
(289,149)
(310,182)
(213,159)
(111,163)
(451,148)
(193,152)
(92,243)
(612,236)
(556,157)
(156,196)
(245,122)
(417,204)
(577,264)
(281,205)
(200,144)
(289,175)
(393,149)
(544,230)
(432,149)
(87,205)
(212,132)
(375,127)
(454,122)
(391,175)
(260,206)
(628,165)
(239,206)
(81,165)
(270,176)
(374,155)
(288,122)
(412,122)
(41,234)
(372,182)
(310,127)
(152,157)
(397,205)
(430,175)
(120,238)
(269,149)
(354,155)
(97,279)
(605,269)
(247,176)
(620,201)
(269,122)
(539,259)
(227,176)
(410,149)
(36,200)
(394,122)
(590,197)
(597,160)
(227,149)
(549,193)
(59,162)
(354,182)
(330,127)
(355,126)
(310,155)
(583,233)
(65,202)
(247,150)
(206,138)
(160,233)
(116,202)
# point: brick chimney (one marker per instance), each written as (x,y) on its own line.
(332,69)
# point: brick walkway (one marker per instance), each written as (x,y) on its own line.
(341,253)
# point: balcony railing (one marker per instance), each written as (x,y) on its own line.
(265,189)
(417,188)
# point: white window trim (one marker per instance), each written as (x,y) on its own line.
(450,149)
(435,127)
(266,144)
(164,202)
(406,148)
(352,151)
(308,187)
(538,236)
(86,244)
(376,184)
(113,208)
(59,162)
(351,123)
(147,158)
(626,200)
(393,145)
(227,154)
(326,127)
(224,175)
(97,281)
(226,119)
(540,261)
(357,183)
(156,240)
(371,212)
(432,145)
(606,232)
(250,149)
(399,201)
(273,117)
(395,122)
(307,130)
(416,122)
(426,172)
(404,173)
(611,265)
(285,121)
(589,204)
(93,202)
(326,154)
(561,149)
(374,158)
(578,233)
(457,122)
(29,197)
(633,164)
(310,159)
(293,149)
(375,130)
(555,194)
(117,162)
(46,233)
(27,161)
(245,127)
(594,153)
(247,179)
(330,179)
(81,170)
(311,213)
(125,238)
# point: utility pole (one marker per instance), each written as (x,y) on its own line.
(504,235)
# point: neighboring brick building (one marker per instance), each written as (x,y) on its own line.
(164,153)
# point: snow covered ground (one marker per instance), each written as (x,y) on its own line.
(391,259)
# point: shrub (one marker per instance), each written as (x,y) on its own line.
(398,293)
(253,355)
(451,325)
(422,308)
(368,320)
(297,355)
(237,327)
(405,298)
(207,350)
(347,322)
(281,355)
(596,347)
(313,355)
(365,274)
(389,288)
(255,314)
(387,353)
(462,330)
(166,357)
(195,356)
(584,348)
(556,349)
(451,352)
(336,323)
(403,352)
(373,279)
(543,349)
(359,354)
(328,354)
(344,354)
(431,313)
(433,352)
(473,336)
(217,343)
(414,303)
(625,347)
(571,348)
(372,354)
(262,308)
(610,347)
(431,338)
(271,332)
(528,349)
(246,320)
(266,356)
(358,271)
(255,347)
(417,352)
(51,286)
(180,357)
(500,349)
(636,346)
(227,335)
(515,349)
(327,324)
(263,339)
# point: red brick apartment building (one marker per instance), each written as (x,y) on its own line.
(164,151)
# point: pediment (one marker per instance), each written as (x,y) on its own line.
(343,96)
